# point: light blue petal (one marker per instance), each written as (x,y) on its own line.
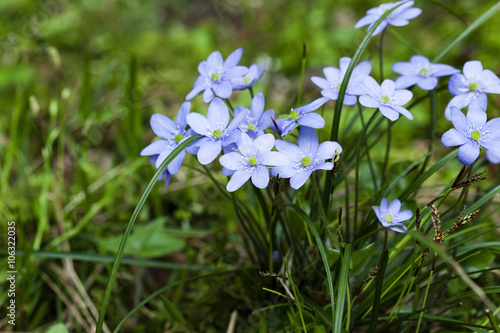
(257,105)
(326,150)
(468,153)
(274,158)
(299,179)
(402,96)
(459,101)
(320,82)
(371,87)
(289,149)
(476,118)
(176,163)
(313,120)
(404,215)
(331,74)
(453,137)
(208,152)
(473,69)
(223,89)
(231,161)
(156,147)
(459,120)
(369,102)
(264,143)
(399,228)
(239,178)
(389,113)
(456,84)
(208,95)
(198,123)
(285,171)
(218,113)
(406,81)
(233,59)
(403,111)
(479,102)
(260,177)
(394,206)
(383,205)
(387,88)
(162,126)
(428,83)
(215,60)
(180,119)
(308,140)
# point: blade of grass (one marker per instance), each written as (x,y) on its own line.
(476,24)
(142,200)
(378,291)
(342,288)
(322,252)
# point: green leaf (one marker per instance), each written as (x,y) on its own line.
(58,328)
(359,257)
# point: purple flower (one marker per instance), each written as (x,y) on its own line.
(334,77)
(216,75)
(305,158)
(301,116)
(172,133)
(471,87)
(251,161)
(399,16)
(165,174)
(471,133)
(257,120)
(420,71)
(249,79)
(386,98)
(391,217)
(217,130)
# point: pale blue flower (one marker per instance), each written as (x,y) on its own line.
(249,79)
(399,17)
(334,76)
(257,120)
(391,215)
(165,174)
(218,132)
(305,158)
(216,75)
(420,71)
(386,98)
(252,160)
(471,133)
(301,116)
(172,134)
(471,87)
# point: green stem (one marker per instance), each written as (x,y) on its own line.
(387,151)
(381,58)
(135,214)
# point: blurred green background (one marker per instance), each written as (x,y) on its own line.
(79,81)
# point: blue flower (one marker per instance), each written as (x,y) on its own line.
(471,133)
(334,77)
(217,130)
(305,158)
(172,133)
(386,98)
(257,120)
(251,161)
(391,217)
(165,174)
(471,87)
(399,17)
(301,116)
(249,79)
(422,72)
(216,75)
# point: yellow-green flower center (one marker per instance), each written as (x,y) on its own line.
(251,127)
(252,161)
(294,115)
(388,218)
(475,135)
(178,137)
(385,99)
(423,72)
(247,80)
(217,134)
(306,161)
(215,76)
(473,86)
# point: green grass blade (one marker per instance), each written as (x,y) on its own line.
(130,224)
(477,23)
(378,291)
(322,253)
(343,288)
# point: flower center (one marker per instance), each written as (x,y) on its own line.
(215,77)
(178,137)
(475,135)
(252,161)
(423,72)
(217,133)
(388,218)
(294,115)
(252,127)
(247,80)
(306,161)
(385,99)
(473,86)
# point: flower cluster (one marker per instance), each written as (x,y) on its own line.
(391,216)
